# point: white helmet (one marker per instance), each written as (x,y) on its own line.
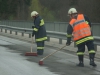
(72,11)
(34,13)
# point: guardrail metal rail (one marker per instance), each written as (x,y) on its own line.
(59,35)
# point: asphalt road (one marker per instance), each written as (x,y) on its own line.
(14,62)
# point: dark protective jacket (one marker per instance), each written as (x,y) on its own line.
(77,26)
(39,29)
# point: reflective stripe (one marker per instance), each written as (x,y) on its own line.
(69,35)
(80,33)
(40,47)
(76,36)
(82,30)
(91,51)
(87,22)
(80,53)
(78,22)
(42,22)
(35,29)
(84,39)
(41,39)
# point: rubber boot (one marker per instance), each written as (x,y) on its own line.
(81,64)
(92,63)
(40,52)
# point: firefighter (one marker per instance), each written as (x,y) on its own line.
(80,28)
(39,31)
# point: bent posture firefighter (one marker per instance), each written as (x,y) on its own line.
(80,27)
(39,31)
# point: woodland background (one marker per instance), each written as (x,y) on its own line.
(50,10)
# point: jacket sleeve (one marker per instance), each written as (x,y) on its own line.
(88,22)
(69,33)
(37,24)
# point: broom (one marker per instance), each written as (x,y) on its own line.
(41,61)
(31,53)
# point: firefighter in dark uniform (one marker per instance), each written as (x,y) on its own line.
(39,31)
(80,28)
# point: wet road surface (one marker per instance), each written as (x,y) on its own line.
(14,62)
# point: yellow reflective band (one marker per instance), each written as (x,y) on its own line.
(42,22)
(40,47)
(87,22)
(35,29)
(69,35)
(41,39)
(91,51)
(80,53)
(85,39)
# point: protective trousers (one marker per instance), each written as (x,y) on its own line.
(40,47)
(81,50)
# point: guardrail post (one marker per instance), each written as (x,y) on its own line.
(5,30)
(48,38)
(30,35)
(60,41)
(22,34)
(1,29)
(95,47)
(16,33)
(10,32)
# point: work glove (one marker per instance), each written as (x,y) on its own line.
(33,27)
(33,33)
(68,41)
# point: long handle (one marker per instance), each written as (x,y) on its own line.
(31,44)
(52,53)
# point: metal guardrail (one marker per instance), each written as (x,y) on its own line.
(50,26)
(59,35)
(54,34)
